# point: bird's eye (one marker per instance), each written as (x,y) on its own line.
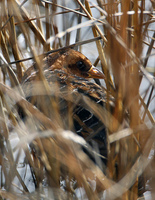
(81,66)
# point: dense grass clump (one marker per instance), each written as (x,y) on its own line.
(39,158)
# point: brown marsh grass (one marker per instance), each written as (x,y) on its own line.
(39,158)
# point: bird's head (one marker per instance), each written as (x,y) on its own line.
(75,63)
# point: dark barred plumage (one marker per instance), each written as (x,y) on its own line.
(67,88)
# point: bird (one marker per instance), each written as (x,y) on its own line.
(69,73)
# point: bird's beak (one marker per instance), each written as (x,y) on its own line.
(95,73)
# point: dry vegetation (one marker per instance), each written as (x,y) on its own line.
(50,164)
